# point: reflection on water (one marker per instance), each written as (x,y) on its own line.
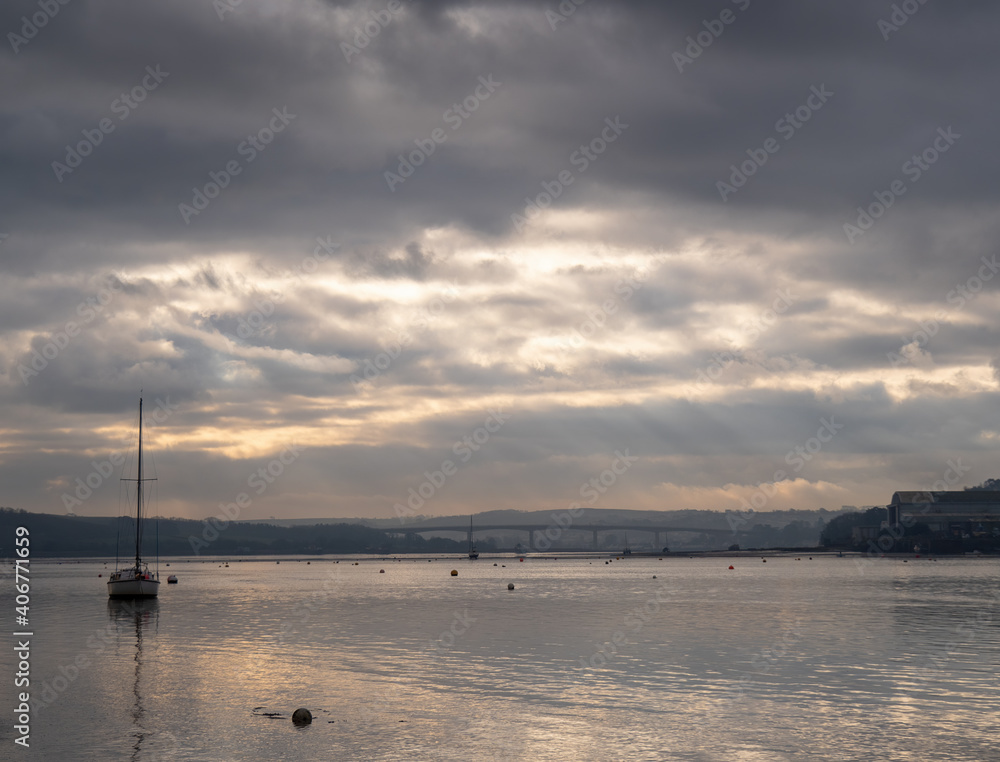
(585,661)
(133,617)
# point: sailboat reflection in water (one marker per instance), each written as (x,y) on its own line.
(140,617)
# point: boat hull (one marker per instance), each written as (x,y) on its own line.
(134,588)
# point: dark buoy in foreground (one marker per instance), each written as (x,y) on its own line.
(510,585)
(454,572)
(302,716)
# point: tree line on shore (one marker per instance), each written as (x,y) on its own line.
(53,535)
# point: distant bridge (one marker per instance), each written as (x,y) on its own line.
(553,531)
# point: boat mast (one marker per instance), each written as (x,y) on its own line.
(138,496)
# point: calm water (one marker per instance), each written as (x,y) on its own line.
(783,660)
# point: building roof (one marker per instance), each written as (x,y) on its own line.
(921,498)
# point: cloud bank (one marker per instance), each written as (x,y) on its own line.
(696,233)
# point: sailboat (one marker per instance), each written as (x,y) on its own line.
(473,553)
(135,581)
(628,550)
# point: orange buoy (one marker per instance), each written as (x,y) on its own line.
(454,572)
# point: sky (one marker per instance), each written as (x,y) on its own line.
(376,259)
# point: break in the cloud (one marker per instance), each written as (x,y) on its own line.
(521,237)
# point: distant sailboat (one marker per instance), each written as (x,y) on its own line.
(473,553)
(628,550)
(135,581)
